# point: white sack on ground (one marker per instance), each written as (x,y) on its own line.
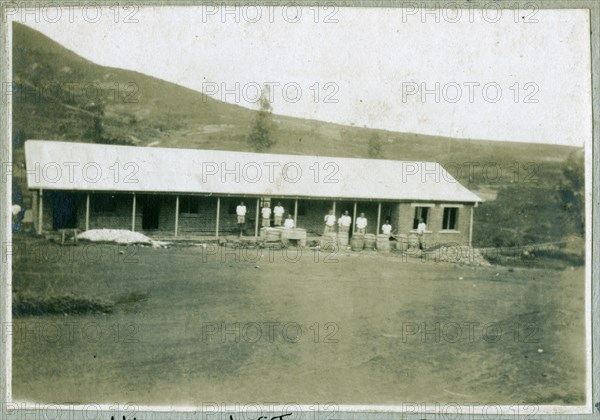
(120,236)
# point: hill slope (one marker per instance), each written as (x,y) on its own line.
(144,110)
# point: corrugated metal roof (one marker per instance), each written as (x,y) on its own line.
(55,165)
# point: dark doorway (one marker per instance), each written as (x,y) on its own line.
(64,210)
(150,211)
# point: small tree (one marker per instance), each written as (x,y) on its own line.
(571,191)
(95,129)
(261,137)
(375,149)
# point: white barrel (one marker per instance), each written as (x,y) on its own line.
(402,242)
(342,239)
(413,241)
(383,242)
(329,240)
(357,243)
(370,241)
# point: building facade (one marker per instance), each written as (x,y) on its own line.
(179,192)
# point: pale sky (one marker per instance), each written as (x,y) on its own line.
(373,62)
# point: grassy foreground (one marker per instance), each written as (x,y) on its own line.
(189,328)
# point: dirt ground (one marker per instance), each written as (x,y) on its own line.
(194,325)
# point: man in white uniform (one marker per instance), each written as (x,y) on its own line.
(16,220)
(278,213)
(345,222)
(361,224)
(421,228)
(240,211)
(330,222)
(386,228)
(16,209)
(266,216)
(289,222)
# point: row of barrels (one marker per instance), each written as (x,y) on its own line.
(341,239)
(277,234)
(370,241)
(359,242)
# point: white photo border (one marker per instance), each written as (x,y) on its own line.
(591,410)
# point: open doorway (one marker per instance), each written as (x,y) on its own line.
(150,211)
(64,210)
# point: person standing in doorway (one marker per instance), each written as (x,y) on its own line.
(330,222)
(361,224)
(240,211)
(266,216)
(421,228)
(344,222)
(386,228)
(278,212)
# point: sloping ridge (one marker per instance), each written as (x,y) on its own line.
(170,115)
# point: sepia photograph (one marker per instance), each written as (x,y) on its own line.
(296,210)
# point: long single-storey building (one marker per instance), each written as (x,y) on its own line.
(181,192)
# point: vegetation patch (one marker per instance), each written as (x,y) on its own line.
(28,304)
(69,304)
(556,259)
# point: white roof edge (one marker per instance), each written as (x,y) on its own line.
(180,149)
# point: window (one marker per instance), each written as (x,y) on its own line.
(450,218)
(104,203)
(189,205)
(421,213)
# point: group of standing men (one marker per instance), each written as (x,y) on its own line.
(345,221)
(278,212)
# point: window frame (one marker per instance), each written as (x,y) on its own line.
(421,206)
(455,208)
